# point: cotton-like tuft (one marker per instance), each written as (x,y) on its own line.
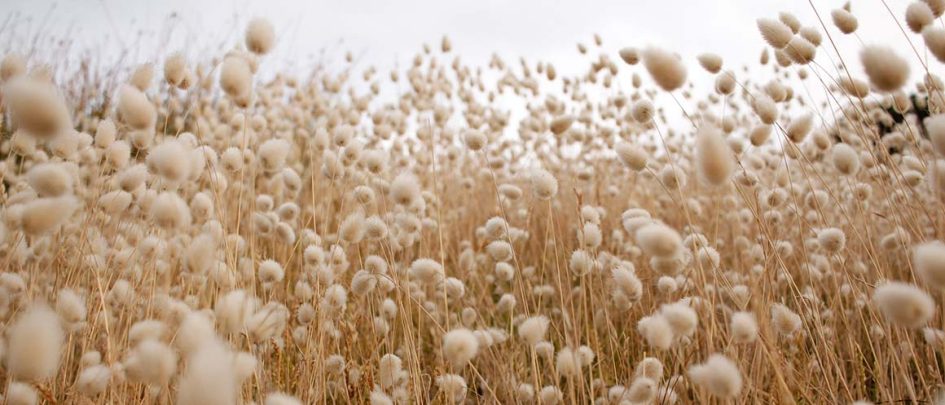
(36,107)
(904,304)
(209,378)
(714,156)
(658,240)
(919,16)
(34,344)
(135,109)
(886,70)
(844,20)
(711,62)
(544,185)
(743,327)
(460,346)
(532,330)
(260,36)
(50,179)
(929,261)
(774,32)
(666,68)
(718,375)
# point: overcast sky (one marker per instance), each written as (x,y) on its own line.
(385,32)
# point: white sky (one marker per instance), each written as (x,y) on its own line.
(383,32)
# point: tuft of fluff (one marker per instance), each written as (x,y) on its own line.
(233,310)
(50,179)
(70,306)
(151,362)
(568,363)
(799,127)
(918,16)
(170,160)
(278,398)
(475,140)
(649,367)
(405,189)
(270,271)
(93,380)
(273,154)
(550,395)
(713,155)
(390,371)
(427,271)
(658,240)
(831,240)
(844,20)
(929,261)
(533,329)
(561,124)
(937,7)
(629,55)
(642,391)
(845,159)
(43,215)
(784,320)
(665,67)
(774,32)
(631,155)
(210,378)
(935,126)
(142,76)
(378,397)
(236,77)
(711,62)
(13,65)
(681,318)
(453,386)
(135,109)
(904,304)
(642,111)
(169,211)
(744,327)
(657,331)
(260,36)
(934,38)
(718,375)
(20,394)
(765,108)
(886,70)
(544,185)
(460,346)
(800,50)
(37,107)
(175,69)
(34,344)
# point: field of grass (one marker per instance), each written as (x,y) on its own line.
(195,232)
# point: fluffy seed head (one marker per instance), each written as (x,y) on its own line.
(135,109)
(665,67)
(713,155)
(774,32)
(929,261)
(260,36)
(844,20)
(658,240)
(544,185)
(886,70)
(904,304)
(37,107)
(718,375)
(34,344)
(918,16)
(533,329)
(711,62)
(460,346)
